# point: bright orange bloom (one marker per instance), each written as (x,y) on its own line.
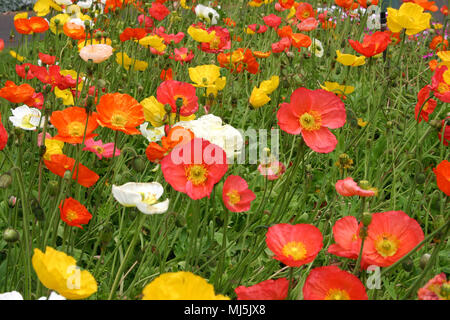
(294,245)
(363,3)
(304,11)
(433,64)
(300,40)
(438,43)
(229,22)
(74,213)
(71,125)
(427,5)
(332,283)
(260,54)
(74,31)
(444,10)
(120,112)
(132,34)
(22,26)
(239,61)
(287,4)
(18,94)
(346,4)
(177,135)
(372,44)
(442,172)
(60,163)
(28,26)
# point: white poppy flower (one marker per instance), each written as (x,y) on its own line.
(152,134)
(210,127)
(53,296)
(205,12)
(14,295)
(64,2)
(144,196)
(316,45)
(26,118)
(85,4)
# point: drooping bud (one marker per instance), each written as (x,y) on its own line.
(5,180)
(10,235)
(67,175)
(37,210)
(408,265)
(424,260)
(138,163)
(52,187)
(12,200)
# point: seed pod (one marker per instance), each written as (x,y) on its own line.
(424,260)
(10,235)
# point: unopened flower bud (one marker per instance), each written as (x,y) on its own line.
(5,180)
(138,163)
(424,260)
(408,265)
(67,175)
(57,22)
(364,184)
(420,178)
(52,187)
(363,232)
(12,201)
(179,103)
(10,235)
(168,108)
(367,218)
(435,123)
(37,210)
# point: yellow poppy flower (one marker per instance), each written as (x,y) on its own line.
(258,98)
(445,57)
(127,62)
(65,95)
(218,86)
(153,41)
(269,86)
(205,75)
(16,55)
(57,271)
(410,16)
(62,18)
(52,146)
(21,15)
(337,88)
(350,59)
(362,123)
(42,7)
(155,113)
(180,286)
(201,35)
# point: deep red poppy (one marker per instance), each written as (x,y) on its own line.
(266,290)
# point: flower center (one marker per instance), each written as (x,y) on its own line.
(148,198)
(71,215)
(310,121)
(197,174)
(99,149)
(26,123)
(214,44)
(119,119)
(337,294)
(294,249)
(305,14)
(387,245)
(76,129)
(234,197)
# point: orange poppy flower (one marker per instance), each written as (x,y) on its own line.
(18,94)
(442,172)
(346,4)
(22,26)
(438,43)
(177,135)
(74,213)
(287,4)
(300,40)
(74,31)
(120,112)
(60,163)
(38,24)
(71,125)
(294,245)
(260,54)
(304,11)
(132,34)
(427,5)
(229,22)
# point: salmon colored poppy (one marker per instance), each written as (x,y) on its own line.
(182,55)
(372,44)
(176,135)
(424,105)
(3,135)
(74,213)
(435,289)
(304,11)
(266,290)
(132,34)
(348,187)
(71,125)
(390,236)
(236,195)
(47,59)
(60,163)
(346,235)
(120,112)
(294,245)
(74,31)
(442,172)
(332,283)
(170,91)
(195,167)
(312,113)
(17,94)
(308,24)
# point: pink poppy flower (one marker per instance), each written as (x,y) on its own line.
(348,187)
(272,20)
(312,113)
(308,24)
(272,170)
(101,150)
(182,55)
(236,195)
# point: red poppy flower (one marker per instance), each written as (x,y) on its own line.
(158,11)
(176,135)
(146,22)
(445,132)
(372,44)
(286,4)
(120,112)
(266,290)
(21,71)
(74,213)
(53,77)
(435,289)
(17,94)
(166,74)
(444,10)
(60,163)
(71,125)
(132,34)
(2,44)
(272,20)
(170,91)
(3,135)
(195,167)
(442,172)
(229,22)
(304,11)
(312,113)
(294,245)
(439,84)
(332,283)
(348,187)
(363,3)
(390,236)
(238,61)
(427,108)
(346,236)
(220,43)
(257,28)
(47,59)
(282,45)
(182,54)
(236,195)
(168,38)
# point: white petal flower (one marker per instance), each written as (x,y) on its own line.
(207,13)
(26,118)
(316,47)
(144,196)
(53,296)
(13,295)
(152,134)
(64,2)
(85,4)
